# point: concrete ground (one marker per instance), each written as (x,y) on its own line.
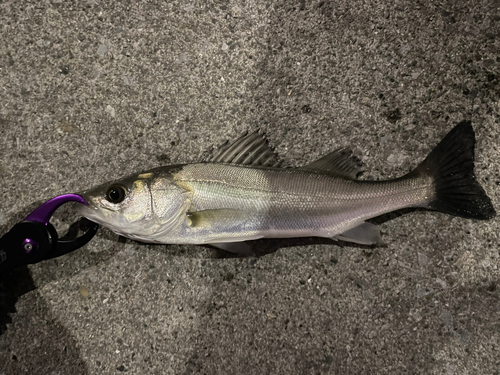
(94,90)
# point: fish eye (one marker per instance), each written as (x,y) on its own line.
(116,194)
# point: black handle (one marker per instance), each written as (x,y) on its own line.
(25,243)
(31,242)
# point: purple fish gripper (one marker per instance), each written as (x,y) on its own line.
(34,239)
(43,213)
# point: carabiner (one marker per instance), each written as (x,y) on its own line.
(34,239)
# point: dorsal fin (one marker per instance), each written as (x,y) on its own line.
(338,163)
(249,149)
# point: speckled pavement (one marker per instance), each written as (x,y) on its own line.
(94,90)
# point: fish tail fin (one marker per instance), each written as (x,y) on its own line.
(451,166)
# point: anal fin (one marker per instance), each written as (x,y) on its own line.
(364,234)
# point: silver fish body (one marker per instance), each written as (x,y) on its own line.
(228,202)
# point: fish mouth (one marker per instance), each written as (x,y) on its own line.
(88,212)
(92,214)
(98,215)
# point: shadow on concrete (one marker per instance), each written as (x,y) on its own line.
(32,328)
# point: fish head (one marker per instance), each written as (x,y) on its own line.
(124,206)
(144,207)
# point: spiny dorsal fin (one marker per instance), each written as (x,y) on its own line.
(338,163)
(249,149)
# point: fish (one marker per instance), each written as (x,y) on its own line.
(241,193)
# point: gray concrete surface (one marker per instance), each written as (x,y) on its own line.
(93,90)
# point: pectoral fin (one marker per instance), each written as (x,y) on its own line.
(364,234)
(228,222)
(220,217)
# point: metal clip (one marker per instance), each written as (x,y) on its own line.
(35,239)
